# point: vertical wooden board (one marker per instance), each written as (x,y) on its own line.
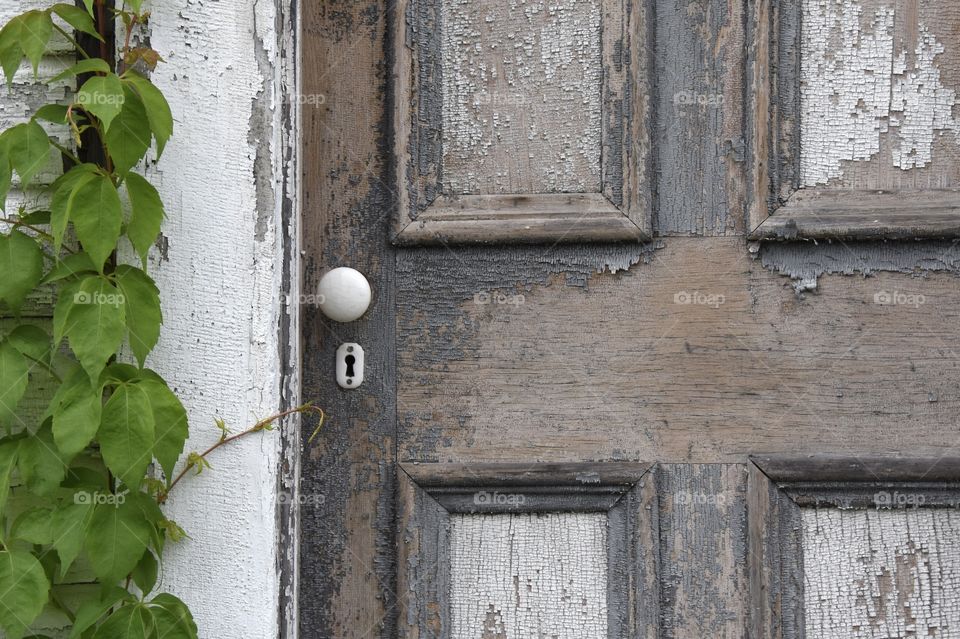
(527,574)
(881,573)
(703,550)
(521,97)
(699,135)
(347,572)
(878,85)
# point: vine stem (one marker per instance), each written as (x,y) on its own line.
(36,229)
(261,425)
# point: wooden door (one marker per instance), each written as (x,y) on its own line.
(664,332)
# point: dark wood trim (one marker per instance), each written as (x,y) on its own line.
(427,494)
(621,212)
(779,209)
(873,468)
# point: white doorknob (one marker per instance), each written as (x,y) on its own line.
(344,294)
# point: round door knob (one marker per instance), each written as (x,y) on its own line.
(344,294)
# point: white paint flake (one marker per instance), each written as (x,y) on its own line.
(887,574)
(521,96)
(858,86)
(527,576)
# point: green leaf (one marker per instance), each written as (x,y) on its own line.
(9,450)
(95,322)
(32,341)
(175,622)
(91,610)
(76,410)
(6,175)
(56,113)
(95,210)
(134,621)
(70,524)
(90,65)
(29,149)
(129,137)
(34,526)
(42,466)
(61,309)
(170,423)
(21,263)
(35,217)
(158,111)
(78,19)
(71,266)
(64,190)
(103,97)
(146,214)
(126,434)
(25,590)
(116,538)
(14,369)
(88,5)
(10,52)
(142,299)
(151,512)
(145,572)
(35,29)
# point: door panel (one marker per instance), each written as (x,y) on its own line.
(508,356)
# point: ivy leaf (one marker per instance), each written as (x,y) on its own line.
(64,189)
(71,266)
(10,53)
(28,149)
(76,409)
(42,466)
(158,111)
(151,512)
(94,323)
(35,29)
(142,299)
(14,370)
(91,610)
(25,590)
(90,65)
(56,113)
(173,618)
(145,572)
(116,538)
(33,526)
(102,96)
(21,263)
(6,175)
(126,434)
(129,137)
(70,524)
(32,341)
(78,19)
(133,621)
(146,214)
(9,450)
(170,423)
(94,207)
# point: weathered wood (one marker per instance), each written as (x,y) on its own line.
(824,467)
(526,475)
(704,583)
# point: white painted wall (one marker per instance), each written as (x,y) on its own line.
(220,274)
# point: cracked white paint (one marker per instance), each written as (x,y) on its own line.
(527,576)
(521,96)
(862,84)
(886,574)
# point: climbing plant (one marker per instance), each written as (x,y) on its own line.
(81,482)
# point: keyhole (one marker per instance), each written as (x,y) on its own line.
(350,359)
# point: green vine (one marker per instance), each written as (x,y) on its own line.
(77,493)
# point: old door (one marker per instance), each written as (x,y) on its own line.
(664,332)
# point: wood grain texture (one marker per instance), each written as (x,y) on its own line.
(881,574)
(704,581)
(701,355)
(525,575)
